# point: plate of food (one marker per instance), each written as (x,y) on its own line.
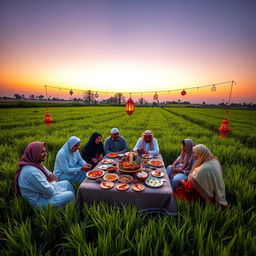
(124,166)
(104,166)
(107,184)
(156,163)
(146,156)
(142,175)
(112,155)
(158,174)
(110,177)
(120,155)
(125,178)
(94,174)
(122,186)
(107,161)
(138,187)
(154,182)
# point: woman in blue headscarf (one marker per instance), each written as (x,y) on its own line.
(93,150)
(69,164)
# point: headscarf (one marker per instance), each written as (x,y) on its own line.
(31,156)
(91,148)
(147,132)
(206,176)
(66,149)
(186,157)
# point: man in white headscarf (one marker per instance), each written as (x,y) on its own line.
(147,144)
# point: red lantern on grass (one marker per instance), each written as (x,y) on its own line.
(48,119)
(183,93)
(129,107)
(224,128)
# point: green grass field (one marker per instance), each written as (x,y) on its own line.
(106,230)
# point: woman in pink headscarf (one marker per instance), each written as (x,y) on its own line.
(36,183)
(182,166)
(205,181)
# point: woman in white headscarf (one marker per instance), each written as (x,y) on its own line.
(205,180)
(69,165)
(182,166)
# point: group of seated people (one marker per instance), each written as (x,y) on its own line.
(195,174)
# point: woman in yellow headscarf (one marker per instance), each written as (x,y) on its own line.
(205,181)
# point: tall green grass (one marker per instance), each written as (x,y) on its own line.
(107,230)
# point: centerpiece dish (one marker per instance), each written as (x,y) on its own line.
(154,182)
(94,174)
(156,163)
(138,187)
(122,186)
(110,177)
(125,178)
(107,184)
(112,155)
(128,168)
(158,174)
(142,175)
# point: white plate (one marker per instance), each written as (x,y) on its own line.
(96,174)
(154,182)
(158,174)
(104,166)
(147,156)
(107,161)
(125,178)
(153,163)
(115,177)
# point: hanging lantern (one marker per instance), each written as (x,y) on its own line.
(96,95)
(183,93)
(224,128)
(155,97)
(129,107)
(48,119)
(213,89)
(71,92)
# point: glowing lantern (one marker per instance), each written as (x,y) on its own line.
(71,92)
(48,119)
(224,128)
(96,95)
(129,107)
(183,93)
(155,96)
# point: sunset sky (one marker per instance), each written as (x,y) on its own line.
(129,45)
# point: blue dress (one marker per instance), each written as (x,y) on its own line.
(35,188)
(68,164)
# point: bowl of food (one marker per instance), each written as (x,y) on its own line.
(111,169)
(124,166)
(110,177)
(94,174)
(142,175)
(125,178)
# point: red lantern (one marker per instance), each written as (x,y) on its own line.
(224,128)
(129,107)
(71,92)
(48,119)
(183,93)
(155,96)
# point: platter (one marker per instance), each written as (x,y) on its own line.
(154,182)
(125,178)
(94,174)
(110,177)
(107,161)
(146,156)
(138,187)
(158,174)
(122,186)
(128,168)
(112,155)
(107,184)
(156,163)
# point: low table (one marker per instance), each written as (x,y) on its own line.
(150,200)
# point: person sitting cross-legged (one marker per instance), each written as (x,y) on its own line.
(36,183)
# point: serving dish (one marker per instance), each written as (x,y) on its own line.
(154,182)
(94,174)
(128,168)
(138,187)
(110,177)
(107,161)
(142,175)
(158,174)
(122,186)
(156,163)
(112,155)
(125,178)
(107,184)
(146,156)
